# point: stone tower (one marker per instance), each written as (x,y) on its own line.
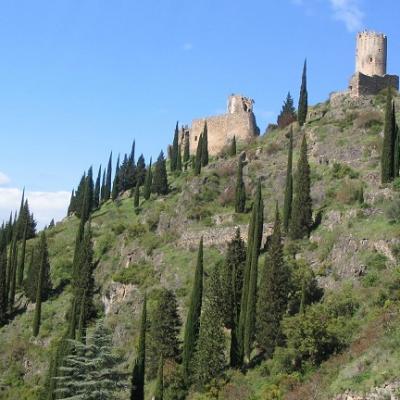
(238,121)
(371,55)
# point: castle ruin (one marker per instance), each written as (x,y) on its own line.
(371,56)
(239,122)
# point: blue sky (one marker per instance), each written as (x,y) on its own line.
(79,78)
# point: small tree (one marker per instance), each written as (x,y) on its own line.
(288,113)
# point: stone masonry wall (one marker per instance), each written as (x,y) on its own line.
(361,84)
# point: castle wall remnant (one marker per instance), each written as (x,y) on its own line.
(371,57)
(238,121)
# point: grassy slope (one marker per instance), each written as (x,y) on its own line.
(149,250)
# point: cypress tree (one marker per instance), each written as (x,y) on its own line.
(115,187)
(132,154)
(137,388)
(287,205)
(174,150)
(389,138)
(303,99)
(107,188)
(13,272)
(209,359)
(148,182)
(179,159)
(90,191)
(204,145)
(198,159)
(3,272)
(193,317)
(232,147)
(140,170)
(96,195)
(301,221)
(250,318)
(21,264)
(164,332)
(273,293)
(159,392)
(43,273)
(103,187)
(72,206)
(186,152)
(160,179)
(240,190)
(136,198)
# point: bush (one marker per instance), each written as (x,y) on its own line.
(350,192)
(393,211)
(340,171)
(141,274)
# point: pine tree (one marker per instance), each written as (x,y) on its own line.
(273,293)
(389,138)
(136,198)
(90,371)
(96,196)
(140,170)
(137,388)
(204,145)
(287,114)
(115,187)
(250,321)
(303,99)
(193,317)
(209,359)
(301,221)
(107,187)
(287,206)
(174,150)
(44,274)
(198,159)
(164,332)
(159,392)
(148,182)
(232,147)
(160,179)
(240,190)
(186,152)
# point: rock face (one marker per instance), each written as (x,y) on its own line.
(115,295)
(389,391)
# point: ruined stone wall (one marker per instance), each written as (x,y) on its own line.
(221,129)
(361,85)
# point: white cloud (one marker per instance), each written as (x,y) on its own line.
(349,12)
(44,205)
(4,179)
(187,46)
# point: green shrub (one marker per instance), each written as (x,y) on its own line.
(350,191)
(141,274)
(340,171)
(136,230)
(393,211)
(371,279)
(118,228)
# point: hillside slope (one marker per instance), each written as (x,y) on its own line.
(353,252)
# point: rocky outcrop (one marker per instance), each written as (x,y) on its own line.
(388,391)
(116,295)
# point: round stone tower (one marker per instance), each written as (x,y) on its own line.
(238,104)
(371,53)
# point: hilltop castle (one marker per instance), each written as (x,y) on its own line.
(239,122)
(371,56)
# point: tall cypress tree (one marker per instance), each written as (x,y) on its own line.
(44,270)
(90,191)
(13,272)
(273,293)
(287,205)
(107,188)
(174,149)
(116,185)
(97,188)
(209,359)
(148,182)
(132,154)
(204,145)
(240,190)
(301,221)
(250,319)
(179,159)
(159,392)
(186,152)
(160,179)
(103,187)
(389,139)
(303,99)
(137,388)
(3,272)
(232,147)
(198,159)
(21,264)
(192,326)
